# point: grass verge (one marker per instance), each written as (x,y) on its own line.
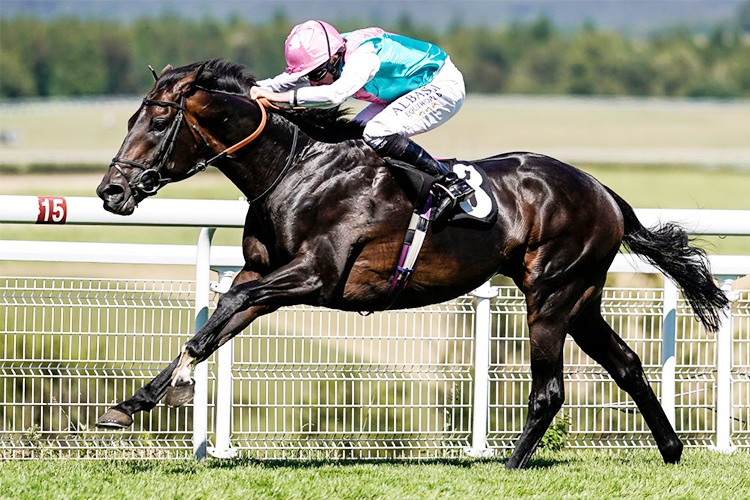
(567,474)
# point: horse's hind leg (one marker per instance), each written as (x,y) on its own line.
(549,307)
(547,339)
(601,343)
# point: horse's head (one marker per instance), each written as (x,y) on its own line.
(200,115)
(161,145)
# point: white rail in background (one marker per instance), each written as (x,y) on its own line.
(225,213)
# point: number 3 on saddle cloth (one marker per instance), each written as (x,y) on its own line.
(478,211)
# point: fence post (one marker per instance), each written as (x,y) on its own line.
(224,360)
(480,410)
(669,344)
(724,374)
(202,284)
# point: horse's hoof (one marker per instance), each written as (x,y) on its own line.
(114,419)
(672,452)
(178,395)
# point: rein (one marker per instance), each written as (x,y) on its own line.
(263,103)
(149,181)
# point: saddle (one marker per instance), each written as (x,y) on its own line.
(479,210)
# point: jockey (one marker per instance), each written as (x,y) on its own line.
(412,86)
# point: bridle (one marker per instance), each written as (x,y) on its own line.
(150,180)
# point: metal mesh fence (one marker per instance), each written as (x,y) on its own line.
(73,347)
(741,372)
(325,383)
(600,415)
(315,383)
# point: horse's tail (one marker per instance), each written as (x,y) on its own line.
(668,248)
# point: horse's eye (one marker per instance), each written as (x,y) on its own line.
(159,124)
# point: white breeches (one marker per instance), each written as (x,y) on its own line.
(418,111)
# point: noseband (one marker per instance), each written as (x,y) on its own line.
(150,180)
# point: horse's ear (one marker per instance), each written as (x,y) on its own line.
(168,67)
(185,85)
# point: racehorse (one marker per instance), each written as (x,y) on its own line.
(326,221)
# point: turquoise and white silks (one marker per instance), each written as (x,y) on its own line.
(413,85)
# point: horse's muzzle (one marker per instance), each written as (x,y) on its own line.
(117,198)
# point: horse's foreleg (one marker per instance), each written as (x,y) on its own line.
(595,337)
(181,388)
(148,396)
(144,399)
(210,337)
(284,286)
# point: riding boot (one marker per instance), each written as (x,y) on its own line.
(453,189)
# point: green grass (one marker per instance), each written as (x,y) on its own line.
(567,474)
(492,124)
(672,186)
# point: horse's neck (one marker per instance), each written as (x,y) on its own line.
(259,164)
(265,161)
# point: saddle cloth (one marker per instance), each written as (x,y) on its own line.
(481,207)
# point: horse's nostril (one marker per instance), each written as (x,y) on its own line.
(112,192)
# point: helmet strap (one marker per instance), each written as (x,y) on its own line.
(333,68)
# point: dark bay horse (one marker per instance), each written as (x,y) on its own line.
(327,221)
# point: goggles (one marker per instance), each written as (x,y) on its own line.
(319,73)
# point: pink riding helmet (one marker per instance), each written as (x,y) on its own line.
(309,45)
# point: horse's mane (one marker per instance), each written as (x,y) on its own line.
(329,125)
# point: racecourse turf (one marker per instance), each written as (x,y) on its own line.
(591,474)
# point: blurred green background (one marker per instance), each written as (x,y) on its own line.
(700,49)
